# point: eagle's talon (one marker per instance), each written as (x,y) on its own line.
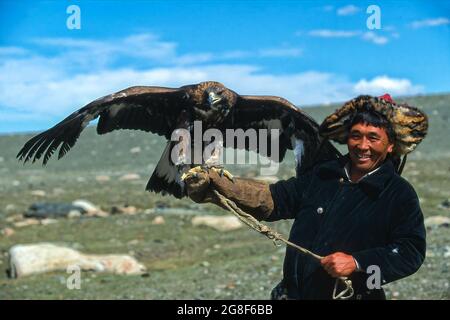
(193,172)
(223,173)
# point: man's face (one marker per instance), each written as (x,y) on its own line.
(368,146)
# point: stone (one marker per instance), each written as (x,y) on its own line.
(90,209)
(445,204)
(74,214)
(38,193)
(437,221)
(158,220)
(26,223)
(135,150)
(39,258)
(44,210)
(14,218)
(102,178)
(48,221)
(220,223)
(130,177)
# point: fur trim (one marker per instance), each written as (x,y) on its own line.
(409,123)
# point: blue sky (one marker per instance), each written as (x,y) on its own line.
(306,51)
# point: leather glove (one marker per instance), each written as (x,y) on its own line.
(252,196)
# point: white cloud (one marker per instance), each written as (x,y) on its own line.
(97,54)
(280,52)
(367,36)
(53,85)
(327,33)
(430,22)
(348,10)
(57,94)
(384,84)
(194,58)
(94,53)
(12,51)
(374,38)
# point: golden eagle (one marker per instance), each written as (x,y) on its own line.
(162,110)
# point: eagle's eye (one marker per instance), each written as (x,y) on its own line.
(214,97)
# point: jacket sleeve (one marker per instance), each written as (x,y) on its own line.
(405,252)
(287,195)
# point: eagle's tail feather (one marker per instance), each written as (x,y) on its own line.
(166,176)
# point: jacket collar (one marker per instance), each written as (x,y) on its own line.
(372,184)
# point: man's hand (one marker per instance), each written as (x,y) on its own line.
(338,264)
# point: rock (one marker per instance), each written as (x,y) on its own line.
(16,183)
(135,150)
(129,210)
(14,218)
(85,205)
(220,223)
(7,232)
(445,204)
(130,177)
(38,193)
(437,221)
(46,257)
(102,178)
(158,220)
(205,264)
(74,214)
(90,209)
(52,210)
(47,221)
(26,222)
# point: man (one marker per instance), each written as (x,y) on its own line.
(356,212)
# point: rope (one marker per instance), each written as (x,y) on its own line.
(276,237)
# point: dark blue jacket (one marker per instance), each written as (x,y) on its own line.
(377,220)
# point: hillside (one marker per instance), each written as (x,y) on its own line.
(184,261)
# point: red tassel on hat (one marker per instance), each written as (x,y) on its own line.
(387,97)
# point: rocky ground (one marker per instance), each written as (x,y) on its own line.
(183,261)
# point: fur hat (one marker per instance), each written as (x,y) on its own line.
(409,123)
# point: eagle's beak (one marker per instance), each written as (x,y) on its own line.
(213,98)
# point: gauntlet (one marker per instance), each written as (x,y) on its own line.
(252,196)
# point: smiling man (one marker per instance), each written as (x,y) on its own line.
(357,212)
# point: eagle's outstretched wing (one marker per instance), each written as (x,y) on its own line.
(297,130)
(153,109)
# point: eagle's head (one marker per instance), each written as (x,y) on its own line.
(219,97)
(215,101)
